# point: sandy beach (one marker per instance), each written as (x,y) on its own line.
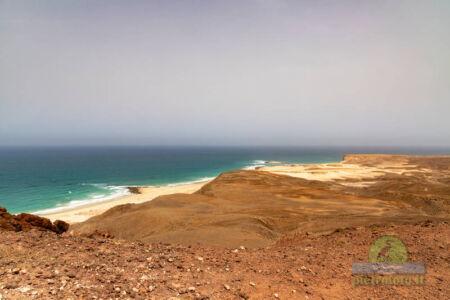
(82,213)
(348,171)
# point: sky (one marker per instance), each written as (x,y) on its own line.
(255,72)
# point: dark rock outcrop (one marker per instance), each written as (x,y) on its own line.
(27,222)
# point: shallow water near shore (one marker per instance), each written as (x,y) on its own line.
(51,179)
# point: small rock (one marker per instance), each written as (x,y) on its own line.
(226,286)
(151,288)
(24,289)
(191,289)
(252,283)
(235,251)
(176,286)
(242,247)
(275,295)
(10,286)
(200,258)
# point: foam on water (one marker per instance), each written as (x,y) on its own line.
(255,164)
(114,192)
(204,179)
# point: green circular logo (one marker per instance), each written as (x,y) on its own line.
(388,249)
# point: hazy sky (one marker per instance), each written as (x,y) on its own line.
(259,72)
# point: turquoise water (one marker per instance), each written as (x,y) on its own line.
(50,179)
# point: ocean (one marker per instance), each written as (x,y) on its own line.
(51,179)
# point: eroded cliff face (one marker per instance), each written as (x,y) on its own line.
(255,208)
(27,222)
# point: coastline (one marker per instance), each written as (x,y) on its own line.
(139,195)
(135,195)
(317,171)
(356,171)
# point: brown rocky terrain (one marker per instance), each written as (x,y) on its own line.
(255,208)
(43,265)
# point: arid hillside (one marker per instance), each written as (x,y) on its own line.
(255,208)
